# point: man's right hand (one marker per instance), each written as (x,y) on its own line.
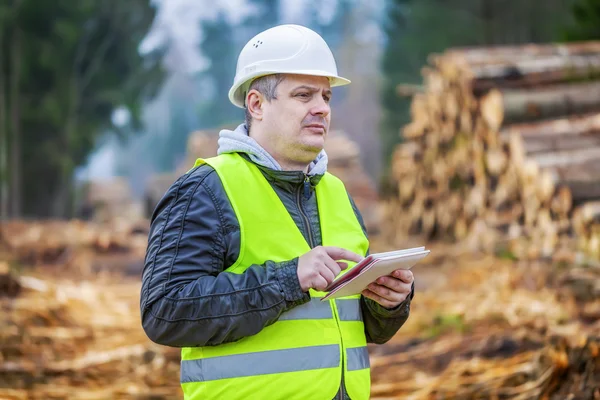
(319,267)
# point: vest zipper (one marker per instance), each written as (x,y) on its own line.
(306,187)
(337,321)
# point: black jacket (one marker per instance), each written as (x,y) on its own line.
(187,300)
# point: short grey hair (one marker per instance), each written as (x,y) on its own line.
(267,86)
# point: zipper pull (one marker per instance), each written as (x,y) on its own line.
(306,187)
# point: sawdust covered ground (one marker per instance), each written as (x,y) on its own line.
(486,327)
(480,326)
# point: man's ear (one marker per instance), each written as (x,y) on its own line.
(254,104)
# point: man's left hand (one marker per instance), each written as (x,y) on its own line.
(391,290)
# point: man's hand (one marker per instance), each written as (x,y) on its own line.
(391,290)
(319,267)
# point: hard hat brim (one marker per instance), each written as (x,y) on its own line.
(237,95)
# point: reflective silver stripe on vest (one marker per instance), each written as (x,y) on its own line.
(260,363)
(349,309)
(358,358)
(314,309)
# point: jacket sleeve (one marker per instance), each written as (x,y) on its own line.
(186,297)
(381,323)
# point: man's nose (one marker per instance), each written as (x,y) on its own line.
(321,108)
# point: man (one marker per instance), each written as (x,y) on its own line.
(242,246)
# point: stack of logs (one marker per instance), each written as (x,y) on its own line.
(76,248)
(503,147)
(344,161)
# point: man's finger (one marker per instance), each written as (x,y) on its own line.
(375,297)
(327,273)
(342,265)
(404,275)
(320,283)
(386,293)
(395,285)
(338,253)
(333,267)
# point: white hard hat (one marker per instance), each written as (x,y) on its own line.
(288,49)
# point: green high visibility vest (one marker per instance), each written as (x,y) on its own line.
(304,354)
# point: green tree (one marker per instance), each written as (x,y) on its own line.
(67,65)
(218,45)
(395,70)
(586,25)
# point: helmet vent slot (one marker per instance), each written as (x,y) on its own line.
(258,42)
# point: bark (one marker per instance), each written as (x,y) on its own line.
(570,126)
(582,178)
(4,176)
(62,199)
(544,103)
(559,144)
(566,158)
(506,54)
(535,72)
(522,66)
(15,116)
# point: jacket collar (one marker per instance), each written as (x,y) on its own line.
(287,180)
(239,141)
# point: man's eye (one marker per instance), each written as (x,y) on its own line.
(305,95)
(327,99)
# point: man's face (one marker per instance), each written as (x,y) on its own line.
(297,121)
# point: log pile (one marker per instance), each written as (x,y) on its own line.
(106,199)
(76,247)
(344,162)
(503,144)
(9,284)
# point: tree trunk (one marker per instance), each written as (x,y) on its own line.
(535,104)
(520,66)
(581,177)
(565,158)
(4,176)
(61,205)
(61,201)
(15,75)
(487,15)
(62,197)
(582,191)
(572,133)
(563,127)
(533,72)
(557,144)
(511,54)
